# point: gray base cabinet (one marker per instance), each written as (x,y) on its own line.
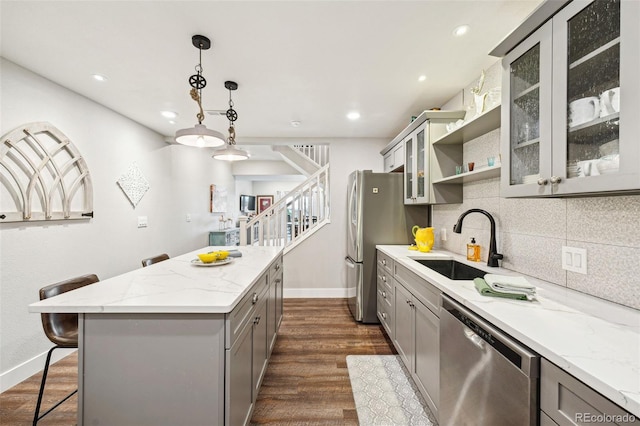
(566,401)
(385,290)
(417,331)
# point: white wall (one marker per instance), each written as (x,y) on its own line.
(33,255)
(316,267)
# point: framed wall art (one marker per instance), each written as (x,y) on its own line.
(264,202)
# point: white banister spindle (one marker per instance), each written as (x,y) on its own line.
(243,230)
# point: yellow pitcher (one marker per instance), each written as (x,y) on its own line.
(424,238)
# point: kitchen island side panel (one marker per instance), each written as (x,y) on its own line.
(151,369)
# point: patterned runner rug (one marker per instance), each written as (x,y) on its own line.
(385,394)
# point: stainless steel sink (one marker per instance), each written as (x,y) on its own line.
(452,269)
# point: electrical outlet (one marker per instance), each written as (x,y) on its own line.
(443,234)
(142,222)
(574,259)
(375,190)
(188,217)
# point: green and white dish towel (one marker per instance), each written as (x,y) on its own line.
(505,286)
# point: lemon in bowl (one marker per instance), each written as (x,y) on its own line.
(208,257)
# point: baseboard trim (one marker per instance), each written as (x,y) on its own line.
(317,293)
(22,372)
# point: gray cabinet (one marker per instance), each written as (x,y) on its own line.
(251,330)
(417,332)
(566,401)
(386,291)
(570,103)
(227,237)
(394,158)
(275,301)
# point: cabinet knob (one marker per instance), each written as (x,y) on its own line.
(409,302)
(384,294)
(542,181)
(384,262)
(277,266)
(384,315)
(556,179)
(384,278)
(254,300)
(257,320)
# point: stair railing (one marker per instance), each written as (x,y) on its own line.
(317,153)
(292,218)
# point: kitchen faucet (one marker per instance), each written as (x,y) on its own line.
(493,257)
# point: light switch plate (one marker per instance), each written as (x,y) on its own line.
(142,222)
(574,259)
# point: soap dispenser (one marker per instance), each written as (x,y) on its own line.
(473,251)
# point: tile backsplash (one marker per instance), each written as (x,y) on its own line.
(532,231)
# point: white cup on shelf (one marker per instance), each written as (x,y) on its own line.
(584,110)
(610,102)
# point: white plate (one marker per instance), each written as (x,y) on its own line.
(198,262)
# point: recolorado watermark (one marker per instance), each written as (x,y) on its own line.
(604,418)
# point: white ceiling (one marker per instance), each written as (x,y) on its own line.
(310,61)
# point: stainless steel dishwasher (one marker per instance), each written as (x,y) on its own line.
(486,377)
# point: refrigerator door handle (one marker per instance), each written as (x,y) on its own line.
(350,219)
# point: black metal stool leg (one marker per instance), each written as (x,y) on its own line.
(36,416)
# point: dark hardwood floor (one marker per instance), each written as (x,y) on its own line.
(306,382)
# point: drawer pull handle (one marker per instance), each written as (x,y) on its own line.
(384,315)
(384,262)
(254,300)
(277,266)
(278,280)
(384,278)
(256,321)
(384,294)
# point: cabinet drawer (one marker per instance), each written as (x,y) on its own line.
(385,278)
(427,293)
(568,401)
(242,313)
(385,295)
(385,315)
(275,267)
(385,261)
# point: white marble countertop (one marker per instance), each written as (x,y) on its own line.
(596,341)
(172,286)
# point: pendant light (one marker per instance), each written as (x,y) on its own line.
(199,135)
(230,152)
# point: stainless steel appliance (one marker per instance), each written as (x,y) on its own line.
(486,378)
(376,215)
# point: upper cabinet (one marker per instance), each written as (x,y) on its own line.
(571,101)
(414,144)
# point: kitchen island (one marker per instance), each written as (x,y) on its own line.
(593,340)
(176,342)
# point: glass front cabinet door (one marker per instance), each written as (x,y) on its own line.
(573,90)
(416,173)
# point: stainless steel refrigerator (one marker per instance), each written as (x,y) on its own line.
(376,215)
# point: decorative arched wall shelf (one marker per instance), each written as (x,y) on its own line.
(42,176)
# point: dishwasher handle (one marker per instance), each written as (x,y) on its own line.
(519,355)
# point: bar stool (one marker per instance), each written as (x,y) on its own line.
(61,329)
(151,260)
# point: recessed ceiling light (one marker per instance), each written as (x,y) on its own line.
(99,77)
(422,78)
(169,114)
(353,115)
(172,122)
(295,123)
(461,30)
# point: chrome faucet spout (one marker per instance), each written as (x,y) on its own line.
(494,256)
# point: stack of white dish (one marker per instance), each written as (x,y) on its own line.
(573,170)
(608,164)
(530,179)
